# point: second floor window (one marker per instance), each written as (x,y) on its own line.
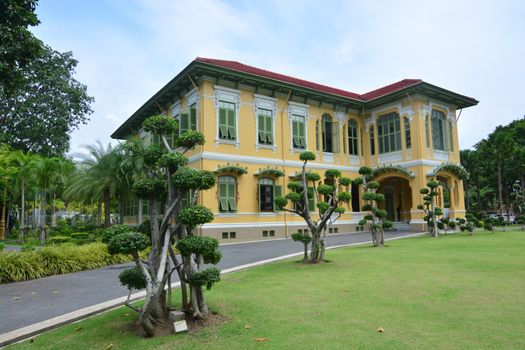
(227,121)
(298,132)
(265,124)
(188,121)
(227,194)
(389,133)
(330,135)
(440,133)
(372,141)
(408,139)
(352,137)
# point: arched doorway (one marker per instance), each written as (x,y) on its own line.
(398,198)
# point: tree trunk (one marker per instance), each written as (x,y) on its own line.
(122,208)
(99,212)
(107,200)
(305,256)
(314,254)
(43,215)
(500,187)
(22,212)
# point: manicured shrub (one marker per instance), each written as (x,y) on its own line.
(80,235)
(53,260)
(58,239)
(132,278)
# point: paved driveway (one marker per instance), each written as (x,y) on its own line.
(28,302)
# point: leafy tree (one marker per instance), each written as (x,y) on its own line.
(18,45)
(46,107)
(376,218)
(329,194)
(431,211)
(166,178)
(518,203)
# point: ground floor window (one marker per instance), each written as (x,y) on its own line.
(227,194)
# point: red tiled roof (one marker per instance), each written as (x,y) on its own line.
(234,65)
(385,90)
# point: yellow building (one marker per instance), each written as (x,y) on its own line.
(257,122)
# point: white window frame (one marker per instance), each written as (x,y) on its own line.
(268,103)
(301,110)
(232,96)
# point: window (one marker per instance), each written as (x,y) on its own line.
(352,137)
(408,139)
(362,144)
(298,132)
(225,235)
(372,141)
(266,194)
(440,132)
(233,235)
(186,199)
(427,131)
(227,194)
(188,121)
(317,135)
(344,140)
(310,193)
(272,233)
(389,133)
(227,122)
(330,135)
(265,124)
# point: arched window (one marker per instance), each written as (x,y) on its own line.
(227,194)
(352,137)
(450,136)
(389,133)
(440,132)
(408,139)
(266,194)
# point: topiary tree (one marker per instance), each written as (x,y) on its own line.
(166,180)
(431,211)
(305,239)
(376,220)
(329,193)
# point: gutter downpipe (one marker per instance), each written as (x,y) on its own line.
(286,233)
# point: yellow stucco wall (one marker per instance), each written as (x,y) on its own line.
(248,221)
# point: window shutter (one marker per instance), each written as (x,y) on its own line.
(294,134)
(277,192)
(193,118)
(269,130)
(184,121)
(301,131)
(262,130)
(223,128)
(231,197)
(231,124)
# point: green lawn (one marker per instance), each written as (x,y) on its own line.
(455,292)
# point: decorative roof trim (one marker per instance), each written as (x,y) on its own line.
(455,169)
(385,169)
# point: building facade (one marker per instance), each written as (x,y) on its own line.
(256,123)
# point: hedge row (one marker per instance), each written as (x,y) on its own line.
(55,260)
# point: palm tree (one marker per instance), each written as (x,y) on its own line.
(97,176)
(24,162)
(48,171)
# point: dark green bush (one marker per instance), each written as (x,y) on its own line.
(304,238)
(128,242)
(195,215)
(80,235)
(58,239)
(114,230)
(132,278)
(208,247)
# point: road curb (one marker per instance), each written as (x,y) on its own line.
(40,327)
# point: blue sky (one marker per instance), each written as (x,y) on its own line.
(128,49)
